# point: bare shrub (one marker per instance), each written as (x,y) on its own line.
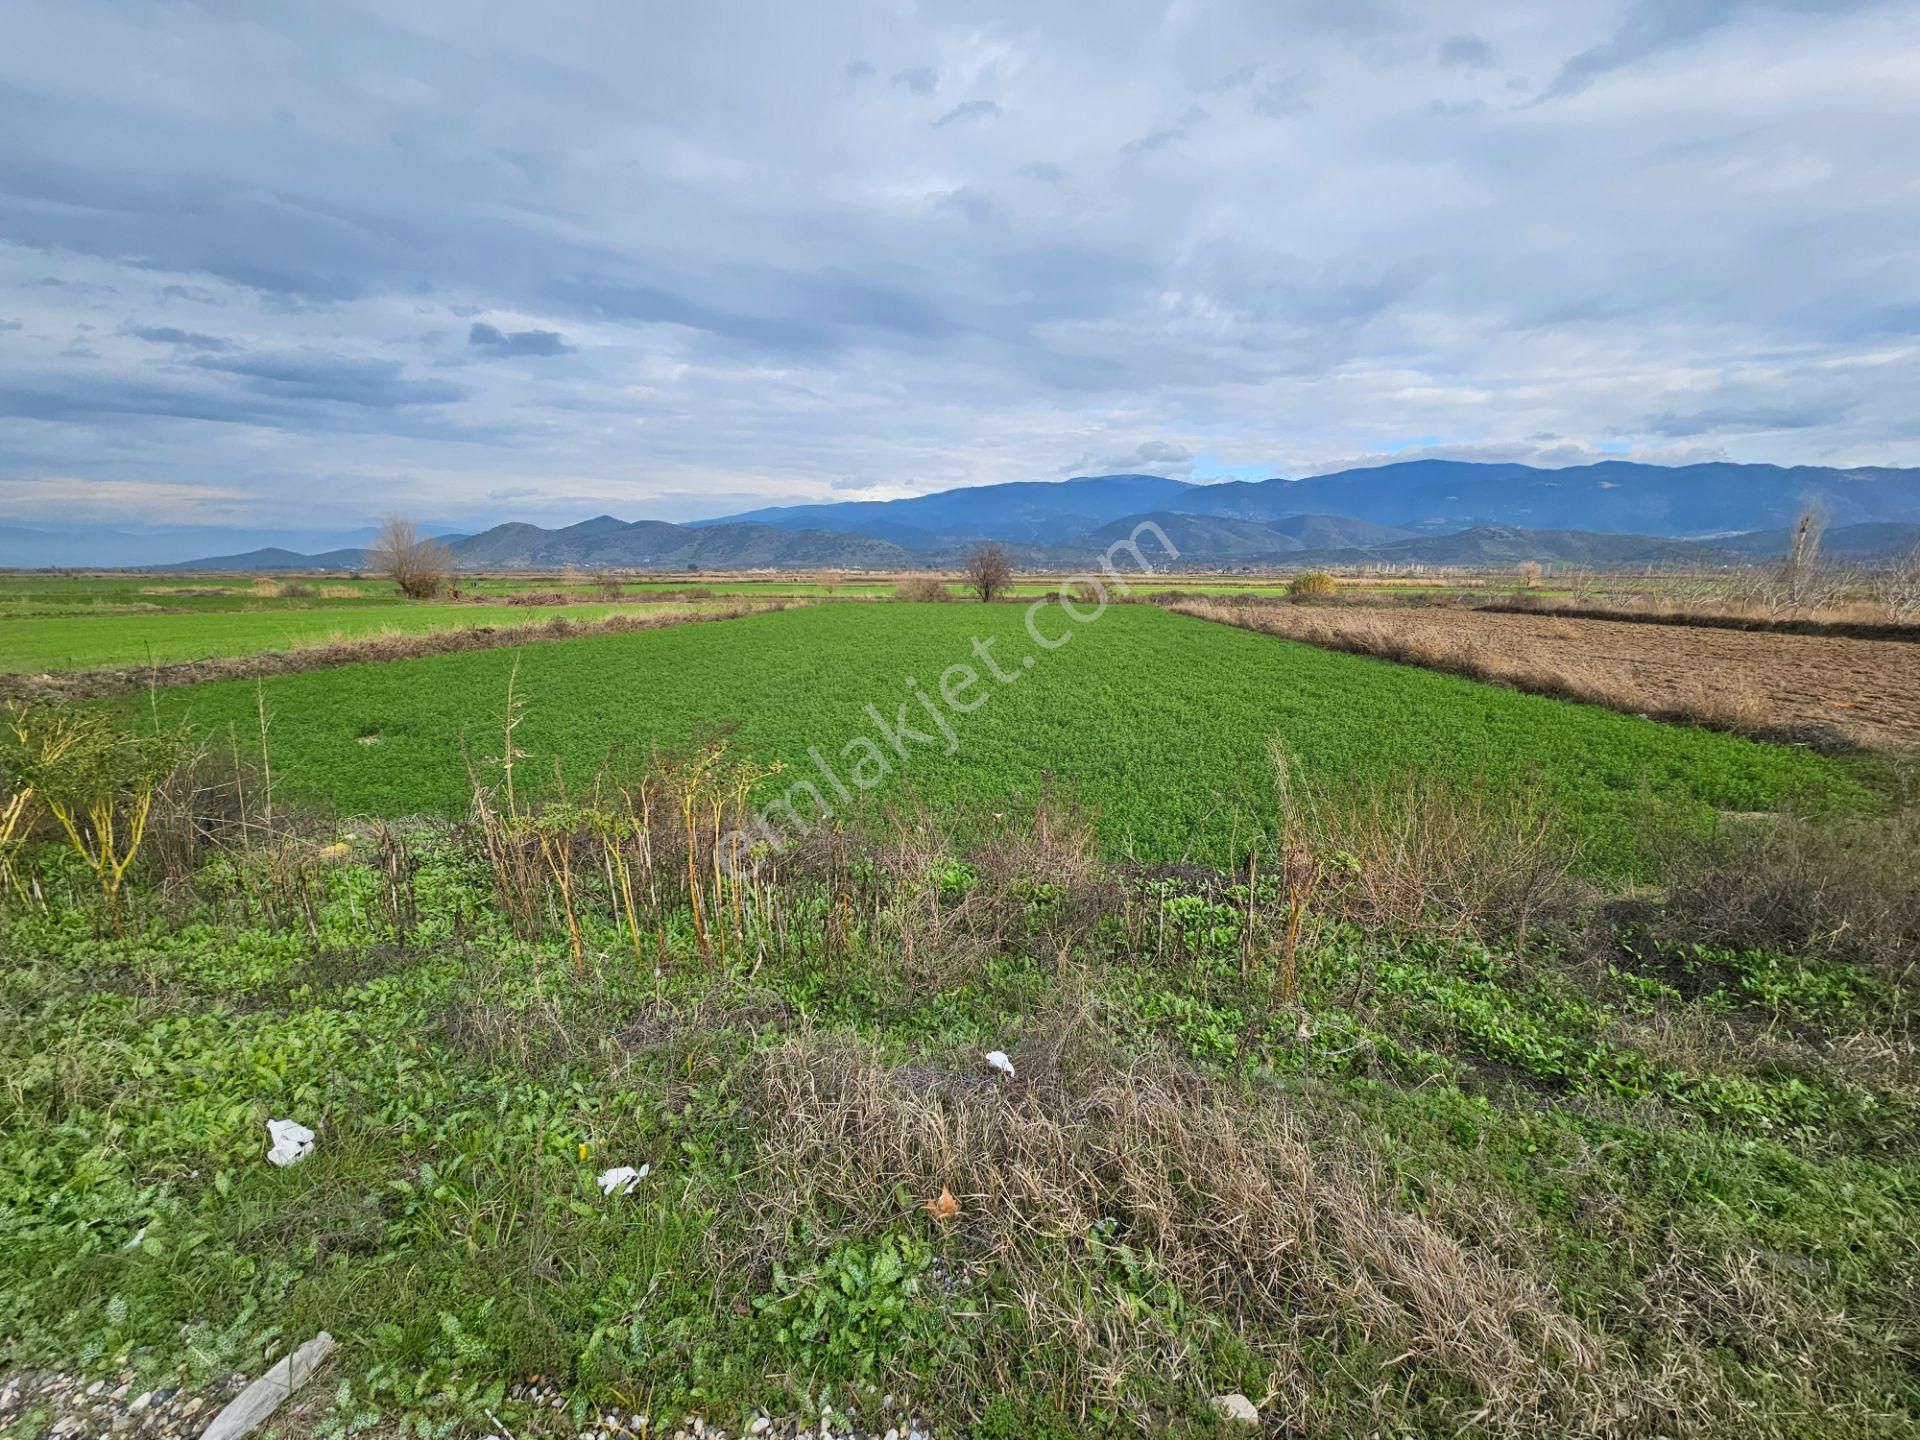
(922,589)
(418,566)
(1420,854)
(988,572)
(1266,1217)
(1530,572)
(1028,879)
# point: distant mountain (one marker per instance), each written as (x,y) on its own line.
(1428,496)
(1873,541)
(607,543)
(1222,540)
(1429,512)
(1033,512)
(1616,496)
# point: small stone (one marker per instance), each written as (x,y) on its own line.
(1237,1408)
(761,1424)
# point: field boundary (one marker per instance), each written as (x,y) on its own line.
(122,679)
(1838,629)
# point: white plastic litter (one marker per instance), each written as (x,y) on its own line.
(250,1409)
(621,1179)
(1236,1408)
(292,1142)
(999,1061)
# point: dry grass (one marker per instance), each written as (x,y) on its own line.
(1270,1219)
(1420,855)
(946,933)
(1846,888)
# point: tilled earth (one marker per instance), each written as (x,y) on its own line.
(1864,692)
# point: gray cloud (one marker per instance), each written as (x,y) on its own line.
(1758,419)
(172,335)
(309,375)
(1150,457)
(969,110)
(517,342)
(1286,95)
(1650,27)
(1466,52)
(769,277)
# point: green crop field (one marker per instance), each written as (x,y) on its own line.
(1159,723)
(1418,1125)
(85,641)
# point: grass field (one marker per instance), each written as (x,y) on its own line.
(1422,1124)
(1160,723)
(1608,1183)
(87,641)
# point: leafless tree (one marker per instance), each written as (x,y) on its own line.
(1800,566)
(1898,587)
(417,565)
(989,572)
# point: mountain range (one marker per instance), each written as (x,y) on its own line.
(1435,512)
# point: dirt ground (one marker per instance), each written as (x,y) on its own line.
(1820,688)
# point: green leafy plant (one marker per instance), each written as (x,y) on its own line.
(846,1316)
(96,779)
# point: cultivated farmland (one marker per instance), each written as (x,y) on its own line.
(1158,723)
(84,642)
(1187,1016)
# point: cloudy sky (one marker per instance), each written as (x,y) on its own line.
(300,264)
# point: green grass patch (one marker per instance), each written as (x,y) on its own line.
(88,641)
(1157,722)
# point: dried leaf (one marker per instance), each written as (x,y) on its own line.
(943,1207)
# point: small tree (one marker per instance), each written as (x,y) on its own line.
(989,572)
(419,567)
(1310,585)
(1530,573)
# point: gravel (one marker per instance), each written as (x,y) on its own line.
(63,1405)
